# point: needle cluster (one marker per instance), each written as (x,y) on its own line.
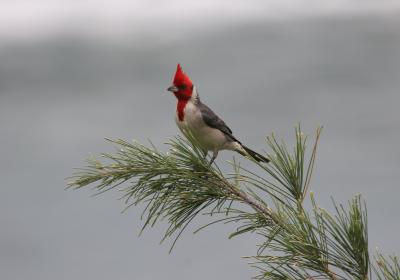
(298,243)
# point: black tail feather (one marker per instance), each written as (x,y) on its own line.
(255,155)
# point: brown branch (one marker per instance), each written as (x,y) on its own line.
(331,274)
(265,210)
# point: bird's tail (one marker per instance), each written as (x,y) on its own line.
(255,155)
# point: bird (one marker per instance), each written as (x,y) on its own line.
(210,131)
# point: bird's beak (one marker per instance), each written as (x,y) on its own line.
(173,88)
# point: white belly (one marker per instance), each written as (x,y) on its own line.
(209,138)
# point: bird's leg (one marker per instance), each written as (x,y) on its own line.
(205,152)
(215,154)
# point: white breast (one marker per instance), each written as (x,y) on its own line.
(209,138)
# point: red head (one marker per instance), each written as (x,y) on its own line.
(182,86)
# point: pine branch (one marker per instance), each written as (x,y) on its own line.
(179,185)
(387,268)
(176,185)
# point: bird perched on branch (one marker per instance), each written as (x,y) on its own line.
(206,127)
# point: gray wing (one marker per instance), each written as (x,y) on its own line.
(212,120)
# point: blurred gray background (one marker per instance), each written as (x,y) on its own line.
(75,72)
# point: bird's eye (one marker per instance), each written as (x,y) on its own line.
(182,86)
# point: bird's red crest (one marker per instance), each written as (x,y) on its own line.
(181,78)
(183,92)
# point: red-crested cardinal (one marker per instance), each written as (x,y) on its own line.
(211,132)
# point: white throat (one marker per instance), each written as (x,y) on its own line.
(195,96)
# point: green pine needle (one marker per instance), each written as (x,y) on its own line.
(298,243)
